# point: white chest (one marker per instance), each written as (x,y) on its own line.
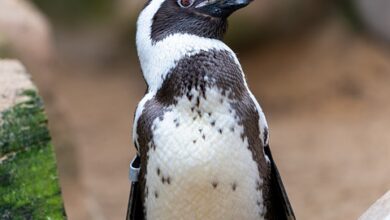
(200,166)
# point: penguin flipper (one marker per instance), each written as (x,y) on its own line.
(135,208)
(281,204)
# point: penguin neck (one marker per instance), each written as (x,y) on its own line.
(158,58)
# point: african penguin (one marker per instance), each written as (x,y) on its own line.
(201,136)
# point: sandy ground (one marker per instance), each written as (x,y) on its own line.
(326,95)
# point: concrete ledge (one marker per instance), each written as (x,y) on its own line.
(13,80)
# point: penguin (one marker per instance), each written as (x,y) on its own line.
(200,134)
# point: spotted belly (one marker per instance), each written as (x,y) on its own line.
(200,165)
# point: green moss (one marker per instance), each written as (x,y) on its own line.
(24,125)
(28,175)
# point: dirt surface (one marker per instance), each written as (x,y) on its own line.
(326,96)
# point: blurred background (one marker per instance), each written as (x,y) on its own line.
(320,69)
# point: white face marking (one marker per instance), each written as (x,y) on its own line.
(204,159)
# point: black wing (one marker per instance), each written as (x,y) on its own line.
(134,208)
(282,209)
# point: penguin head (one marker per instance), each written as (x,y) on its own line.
(168,30)
(203,18)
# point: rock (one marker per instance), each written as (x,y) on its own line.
(29,187)
(13,80)
(380,210)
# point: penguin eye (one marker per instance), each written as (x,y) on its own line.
(185,3)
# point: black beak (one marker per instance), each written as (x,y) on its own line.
(221,8)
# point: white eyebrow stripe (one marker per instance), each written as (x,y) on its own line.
(201,4)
